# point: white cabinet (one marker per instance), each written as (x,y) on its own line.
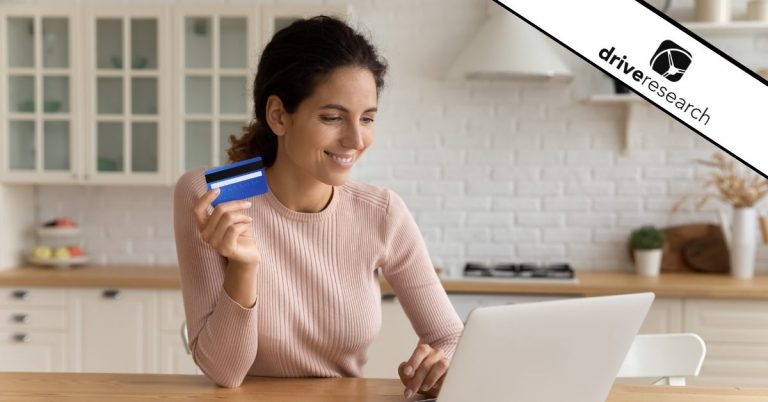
(736,335)
(665,316)
(33,330)
(40,122)
(128,95)
(114,330)
(395,342)
(217,50)
(174,358)
(33,351)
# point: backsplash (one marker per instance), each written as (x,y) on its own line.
(502,171)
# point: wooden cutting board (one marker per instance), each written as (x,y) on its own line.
(696,247)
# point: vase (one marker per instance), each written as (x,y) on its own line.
(648,262)
(743,247)
(713,11)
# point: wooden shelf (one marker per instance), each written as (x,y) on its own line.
(630,102)
(732,28)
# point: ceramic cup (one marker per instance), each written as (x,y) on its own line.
(757,10)
(713,11)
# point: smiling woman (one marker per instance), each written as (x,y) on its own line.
(286,285)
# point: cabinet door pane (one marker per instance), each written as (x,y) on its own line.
(110,95)
(233,43)
(144,147)
(232,94)
(21,44)
(198,42)
(109,43)
(197,144)
(110,147)
(198,96)
(56,94)
(144,96)
(22,147)
(56,145)
(227,128)
(282,22)
(143,43)
(21,93)
(55,42)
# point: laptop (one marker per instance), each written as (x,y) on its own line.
(552,351)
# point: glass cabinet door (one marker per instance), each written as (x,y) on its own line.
(39,112)
(127,142)
(219,56)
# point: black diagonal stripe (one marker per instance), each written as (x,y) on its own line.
(236,171)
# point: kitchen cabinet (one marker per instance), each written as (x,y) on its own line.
(126,75)
(216,59)
(174,358)
(133,95)
(33,330)
(114,330)
(40,124)
(736,335)
(93,330)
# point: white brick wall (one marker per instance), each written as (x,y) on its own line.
(506,171)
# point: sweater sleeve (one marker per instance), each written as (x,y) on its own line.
(222,333)
(409,270)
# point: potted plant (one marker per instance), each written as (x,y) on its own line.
(647,243)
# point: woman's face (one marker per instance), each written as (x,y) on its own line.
(332,128)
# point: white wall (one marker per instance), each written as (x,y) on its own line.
(492,172)
(16,221)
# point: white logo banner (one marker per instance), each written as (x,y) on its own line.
(680,73)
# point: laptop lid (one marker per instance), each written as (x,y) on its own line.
(564,350)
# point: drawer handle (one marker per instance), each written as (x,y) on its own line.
(110,294)
(21,338)
(388,297)
(20,318)
(20,294)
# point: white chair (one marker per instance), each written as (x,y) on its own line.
(669,356)
(185,337)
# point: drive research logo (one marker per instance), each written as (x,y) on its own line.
(671,60)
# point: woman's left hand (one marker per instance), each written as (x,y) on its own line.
(424,371)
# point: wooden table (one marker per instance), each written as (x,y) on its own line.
(85,387)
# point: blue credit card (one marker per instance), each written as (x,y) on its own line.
(237,181)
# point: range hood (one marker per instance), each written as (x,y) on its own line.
(507,48)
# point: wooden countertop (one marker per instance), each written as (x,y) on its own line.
(589,283)
(89,387)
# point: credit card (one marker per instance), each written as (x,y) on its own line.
(237,181)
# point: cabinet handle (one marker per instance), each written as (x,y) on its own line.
(19,318)
(388,297)
(21,338)
(20,294)
(110,294)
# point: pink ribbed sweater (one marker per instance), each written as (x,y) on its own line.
(318,305)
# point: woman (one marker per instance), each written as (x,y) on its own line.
(284,284)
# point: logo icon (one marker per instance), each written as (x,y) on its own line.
(671,60)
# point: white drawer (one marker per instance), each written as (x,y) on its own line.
(733,321)
(23,317)
(32,296)
(171,310)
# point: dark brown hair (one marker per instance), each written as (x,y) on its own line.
(297,58)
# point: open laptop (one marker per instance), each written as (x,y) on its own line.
(565,350)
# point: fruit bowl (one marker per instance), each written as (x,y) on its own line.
(58,262)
